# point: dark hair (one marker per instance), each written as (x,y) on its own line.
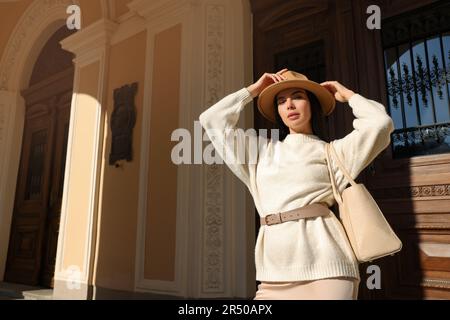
(316,118)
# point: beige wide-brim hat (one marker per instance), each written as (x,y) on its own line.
(294,80)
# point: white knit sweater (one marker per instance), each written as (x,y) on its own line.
(293,173)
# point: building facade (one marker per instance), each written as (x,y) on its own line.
(92,204)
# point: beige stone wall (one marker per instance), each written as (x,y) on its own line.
(120,186)
(91,11)
(162,189)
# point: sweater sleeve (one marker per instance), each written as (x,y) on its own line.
(232,144)
(371,135)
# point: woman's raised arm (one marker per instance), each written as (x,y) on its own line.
(371,133)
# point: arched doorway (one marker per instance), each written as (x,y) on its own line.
(37,205)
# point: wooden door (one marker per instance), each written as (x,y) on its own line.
(62,117)
(35,224)
(30,210)
(37,206)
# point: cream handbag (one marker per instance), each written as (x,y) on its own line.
(370,235)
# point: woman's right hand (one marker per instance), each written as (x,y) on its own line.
(266,80)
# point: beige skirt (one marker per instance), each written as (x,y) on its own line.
(337,288)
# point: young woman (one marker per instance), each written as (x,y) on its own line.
(301,251)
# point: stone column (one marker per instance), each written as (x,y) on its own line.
(76,242)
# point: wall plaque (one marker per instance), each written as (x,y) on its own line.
(123,120)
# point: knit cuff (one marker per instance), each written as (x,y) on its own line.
(244,95)
(354,99)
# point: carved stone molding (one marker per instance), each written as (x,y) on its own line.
(285,12)
(213,231)
(6,101)
(436,283)
(413,192)
(95,36)
(25,33)
(2,121)
(152,10)
(213,228)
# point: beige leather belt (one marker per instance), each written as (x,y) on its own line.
(311,210)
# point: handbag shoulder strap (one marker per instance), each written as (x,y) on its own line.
(341,166)
(336,193)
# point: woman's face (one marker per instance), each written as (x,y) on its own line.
(295,110)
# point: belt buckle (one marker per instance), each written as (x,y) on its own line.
(274,222)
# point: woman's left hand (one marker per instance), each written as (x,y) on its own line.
(341,93)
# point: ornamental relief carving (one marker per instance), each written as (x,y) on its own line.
(413,192)
(213,222)
(25,32)
(2,121)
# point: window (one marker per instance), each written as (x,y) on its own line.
(417,68)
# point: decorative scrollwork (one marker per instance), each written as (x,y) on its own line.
(419,79)
(421,140)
